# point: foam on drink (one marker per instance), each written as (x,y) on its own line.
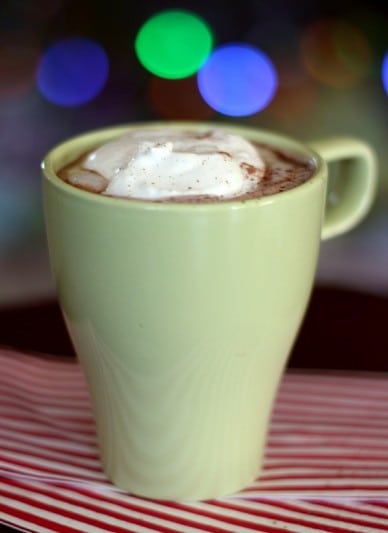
(156,164)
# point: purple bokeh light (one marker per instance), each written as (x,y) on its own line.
(384,72)
(237,80)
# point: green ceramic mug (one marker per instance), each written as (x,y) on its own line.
(183,315)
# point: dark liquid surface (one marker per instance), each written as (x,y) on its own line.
(283,171)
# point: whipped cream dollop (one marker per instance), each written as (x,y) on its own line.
(154,164)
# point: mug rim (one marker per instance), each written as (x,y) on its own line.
(98,136)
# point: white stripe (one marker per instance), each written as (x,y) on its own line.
(26,378)
(189,513)
(327,397)
(24,449)
(324,389)
(59,470)
(43,358)
(48,481)
(348,441)
(338,406)
(359,411)
(318,483)
(339,519)
(345,473)
(256,492)
(60,444)
(325,450)
(114,508)
(241,514)
(37,366)
(368,506)
(323,376)
(340,514)
(76,434)
(36,511)
(319,428)
(35,369)
(272,463)
(375,386)
(219,518)
(329,419)
(76,416)
(36,395)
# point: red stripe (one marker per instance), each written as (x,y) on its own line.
(323,476)
(321,514)
(205,510)
(67,432)
(43,506)
(81,517)
(64,459)
(8,524)
(21,412)
(35,394)
(130,506)
(305,487)
(243,522)
(358,507)
(383,504)
(37,521)
(58,449)
(40,367)
(299,419)
(287,454)
(26,445)
(308,438)
(313,384)
(328,396)
(292,520)
(326,462)
(319,431)
(46,470)
(375,415)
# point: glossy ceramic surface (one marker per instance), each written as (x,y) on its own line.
(183,315)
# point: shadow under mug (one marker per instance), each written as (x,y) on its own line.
(183,315)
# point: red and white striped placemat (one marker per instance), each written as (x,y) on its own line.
(326,466)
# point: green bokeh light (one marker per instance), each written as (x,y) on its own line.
(173,44)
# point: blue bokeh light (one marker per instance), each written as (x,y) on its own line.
(384,72)
(237,80)
(72,71)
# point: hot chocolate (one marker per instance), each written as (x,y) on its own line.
(186,166)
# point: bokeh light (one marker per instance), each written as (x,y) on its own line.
(19,56)
(237,80)
(173,44)
(178,99)
(72,71)
(384,72)
(336,52)
(296,93)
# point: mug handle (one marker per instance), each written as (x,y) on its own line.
(352,188)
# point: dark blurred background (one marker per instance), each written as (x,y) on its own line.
(66,66)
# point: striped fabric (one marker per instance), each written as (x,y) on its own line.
(326,466)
